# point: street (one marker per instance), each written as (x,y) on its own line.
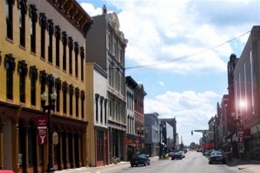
(194,162)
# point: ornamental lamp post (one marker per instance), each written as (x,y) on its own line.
(51,106)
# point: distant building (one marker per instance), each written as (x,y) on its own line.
(151,133)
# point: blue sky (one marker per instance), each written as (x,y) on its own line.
(184,46)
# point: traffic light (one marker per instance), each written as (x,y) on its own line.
(191,132)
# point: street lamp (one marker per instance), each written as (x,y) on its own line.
(51,106)
(140,131)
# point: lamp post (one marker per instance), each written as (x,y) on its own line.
(51,106)
(140,131)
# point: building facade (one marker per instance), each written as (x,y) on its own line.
(152,133)
(130,131)
(97,137)
(42,49)
(246,91)
(106,47)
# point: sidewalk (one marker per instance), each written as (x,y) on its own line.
(97,169)
(248,166)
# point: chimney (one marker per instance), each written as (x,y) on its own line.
(104,10)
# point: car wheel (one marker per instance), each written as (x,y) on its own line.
(149,163)
(224,162)
(210,162)
(132,165)
(172,158)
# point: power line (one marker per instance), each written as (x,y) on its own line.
(190,55)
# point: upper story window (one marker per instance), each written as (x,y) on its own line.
(58,91)
(58,35)
(82,95)
(76,49)
(71,92)
(51,30)
(65,90)
(22,70)
(43,23)
(33,75)
(33,20)
(22,13)
(82,62)
(70,54)
(9,18)
(64,57)
(43,79)
(9,66)
(77,101)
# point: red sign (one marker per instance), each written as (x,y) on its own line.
(42,121)
(42,135)
(42,130)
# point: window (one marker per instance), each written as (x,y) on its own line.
(70,54)
(64,89)
(9,65)
(76,49)
(33,75)
(58,88)
(82,104)
(43,83)
(33,16)
(9,18)
(101,109)
(64,58)
(71,90)
(43,23)
(82,62)
(77,101)
(22,12)
(50,25)
(22,69)
(96,106)
(57,34)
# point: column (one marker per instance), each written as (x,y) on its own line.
(15,161)
(61,156)
(73,149)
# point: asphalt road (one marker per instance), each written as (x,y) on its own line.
(193,163)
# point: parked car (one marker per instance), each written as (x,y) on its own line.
(140,159)
(170,154)
(177,155)
(217,157)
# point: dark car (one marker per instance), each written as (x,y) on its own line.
(177,155)
(140,159)
(217,157)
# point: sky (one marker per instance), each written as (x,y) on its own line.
(179,49)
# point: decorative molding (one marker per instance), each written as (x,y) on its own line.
(33,72)
(9,62)
(33,13)
(22,67)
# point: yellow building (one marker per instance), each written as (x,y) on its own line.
(42,50)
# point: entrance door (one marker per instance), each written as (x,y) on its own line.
(7,131)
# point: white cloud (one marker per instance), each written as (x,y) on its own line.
(161,83)
(187,37)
